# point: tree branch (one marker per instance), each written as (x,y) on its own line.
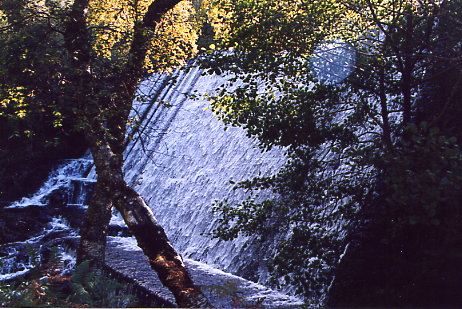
(76,36)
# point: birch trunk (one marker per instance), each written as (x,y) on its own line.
(105,134)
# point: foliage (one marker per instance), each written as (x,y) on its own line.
(342,86)
(34,110)
(112,24)
(30,73)
(36,64)
(423,182)
(229,291)
(38,111)
(45,286)
(105,48)
(96,290)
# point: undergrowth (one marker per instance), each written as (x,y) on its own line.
(45,286)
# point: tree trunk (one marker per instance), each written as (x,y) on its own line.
(154,242)
(408,67)
(105,135)
(140,220)
(93,232)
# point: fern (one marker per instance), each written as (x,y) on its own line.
(96,290)
(79,295)
(82,274)
(45,288)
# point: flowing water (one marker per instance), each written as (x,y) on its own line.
(54,205)
(180,159)
(184,161)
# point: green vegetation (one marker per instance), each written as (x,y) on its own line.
(35,122)
(44,286)
(373,128)
(39,119)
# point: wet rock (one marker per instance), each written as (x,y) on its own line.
(56,235)
(57,198)
(74,214)
(35,227)
(117,230)
(21,223)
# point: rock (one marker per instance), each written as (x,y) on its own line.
(22,223)
(74,214)
(57,198)
(117,230)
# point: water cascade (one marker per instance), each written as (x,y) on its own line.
(49,218)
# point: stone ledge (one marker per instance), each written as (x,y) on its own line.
(224,290)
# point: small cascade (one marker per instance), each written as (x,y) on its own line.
(18,258)
(14,263)
(58,179)
(79,191)
(32,226)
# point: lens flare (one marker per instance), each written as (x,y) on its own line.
(332,62)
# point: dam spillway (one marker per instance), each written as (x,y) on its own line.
(181,161)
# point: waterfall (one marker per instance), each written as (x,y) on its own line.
(180,159)
(183,162)
(69,171)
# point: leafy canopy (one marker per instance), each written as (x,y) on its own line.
(346,135)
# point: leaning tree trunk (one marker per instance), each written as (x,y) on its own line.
(152,239)
(140,220)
